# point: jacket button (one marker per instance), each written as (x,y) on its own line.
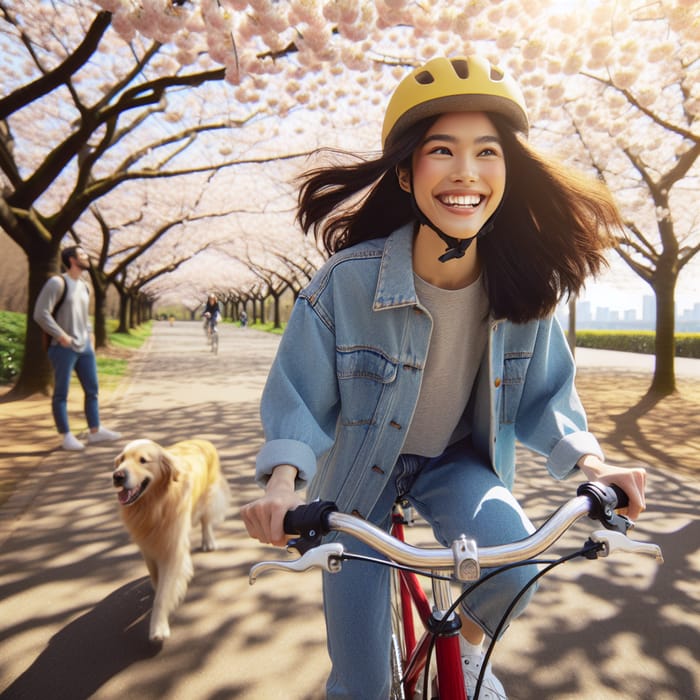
(377,470)
(497,382)
(394,424)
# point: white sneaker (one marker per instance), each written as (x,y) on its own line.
(70,442)
(491,687)
(103,435)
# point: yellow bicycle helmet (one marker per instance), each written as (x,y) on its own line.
(459,84)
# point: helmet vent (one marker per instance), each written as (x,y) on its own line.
(425,78)
(496,74)
(461,67)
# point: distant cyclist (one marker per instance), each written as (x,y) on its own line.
(211,315)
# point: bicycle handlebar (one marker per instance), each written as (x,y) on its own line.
(318,518)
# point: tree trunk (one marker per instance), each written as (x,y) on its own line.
(276,311)
(571,335)
(100,326)
(123,312)
(100,291)
(664,381)
(132,311)
(36,375)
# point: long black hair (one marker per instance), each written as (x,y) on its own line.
(550,233)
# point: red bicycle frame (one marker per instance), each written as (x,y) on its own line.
(449,661)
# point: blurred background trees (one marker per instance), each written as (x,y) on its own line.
(165,136)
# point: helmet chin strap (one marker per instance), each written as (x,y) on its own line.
(456,247)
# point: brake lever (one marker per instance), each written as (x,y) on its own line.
(616,541)
(326,556)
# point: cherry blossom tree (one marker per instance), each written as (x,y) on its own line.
(142,86)
(82,114)
(613,86)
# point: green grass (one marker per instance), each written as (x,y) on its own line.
(112,369)
(132,340)
(13,327)
(267,327)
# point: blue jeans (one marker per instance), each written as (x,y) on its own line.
(457,493)
(64,361)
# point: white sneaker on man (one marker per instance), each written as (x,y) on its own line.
(70,442)
(103,435)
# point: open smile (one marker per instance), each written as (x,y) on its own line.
(461,201)
(128,496)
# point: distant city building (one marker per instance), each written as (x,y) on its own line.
(648,308)
(584,313)
(692,314)
(602,314)
(589,317)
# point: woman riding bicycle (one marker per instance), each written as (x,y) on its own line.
(211,315)
(427,344)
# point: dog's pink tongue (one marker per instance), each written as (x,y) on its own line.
(124,495)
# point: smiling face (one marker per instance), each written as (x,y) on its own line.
(459,173)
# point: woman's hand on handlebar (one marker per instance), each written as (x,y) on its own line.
(631,480)
(264,517)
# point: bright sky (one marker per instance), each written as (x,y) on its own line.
(621,289)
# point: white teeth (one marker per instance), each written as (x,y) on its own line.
(463,200)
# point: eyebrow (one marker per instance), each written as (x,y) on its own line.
(486,138)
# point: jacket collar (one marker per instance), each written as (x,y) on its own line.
(395,285)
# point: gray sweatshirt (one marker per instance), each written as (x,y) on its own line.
(72,317)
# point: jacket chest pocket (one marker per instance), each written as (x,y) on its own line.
(364,376)
(514,373)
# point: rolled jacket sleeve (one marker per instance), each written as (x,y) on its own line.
(569,450)
(551,418)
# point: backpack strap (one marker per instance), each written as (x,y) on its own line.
(61,298)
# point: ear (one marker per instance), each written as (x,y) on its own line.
(170,466)
(404,177)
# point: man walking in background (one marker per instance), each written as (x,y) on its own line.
(62,311)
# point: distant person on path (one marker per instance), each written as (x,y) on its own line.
(244,319)
(71,346)
(427,344)
(211,314)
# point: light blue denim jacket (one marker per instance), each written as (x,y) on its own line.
(343,387)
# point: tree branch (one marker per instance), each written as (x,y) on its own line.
(58,76)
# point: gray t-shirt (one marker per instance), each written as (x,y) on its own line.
(457,344)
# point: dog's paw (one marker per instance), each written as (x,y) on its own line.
(208,545)
(159,632)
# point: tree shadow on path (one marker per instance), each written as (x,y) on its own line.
(89,651)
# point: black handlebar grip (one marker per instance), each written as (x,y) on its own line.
(603,501)
(309,520)
(620,495)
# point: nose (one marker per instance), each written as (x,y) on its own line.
(465,170)
(118,478)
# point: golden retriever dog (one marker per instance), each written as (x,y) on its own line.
(163,493)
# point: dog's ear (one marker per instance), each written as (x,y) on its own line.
(170,466)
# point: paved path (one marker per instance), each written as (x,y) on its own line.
(74,598)
(685,367)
